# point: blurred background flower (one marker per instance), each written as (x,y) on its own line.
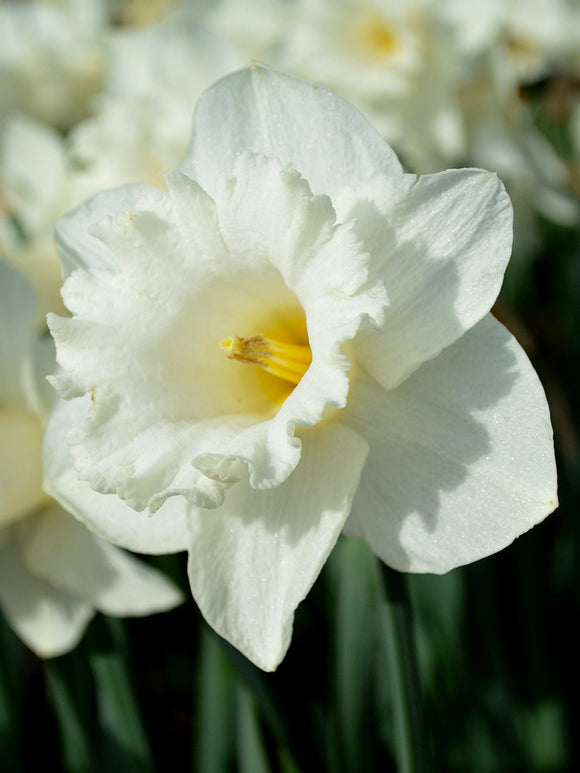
(54,573)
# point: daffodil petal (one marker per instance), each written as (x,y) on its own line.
(461,459)
(252,561)
(49,621)
(427,236)
(20,464)
(63,552)
(32,168)
(17,314)
(106,514)
(315,131)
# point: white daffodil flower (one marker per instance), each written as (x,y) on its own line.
(54,573)
(537,37)
(291,341)
(52,59)
(537,178)
(531,36)
(129,140)
(180,57)
(258,27)
(35,188)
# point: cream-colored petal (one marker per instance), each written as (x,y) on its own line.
(20,464)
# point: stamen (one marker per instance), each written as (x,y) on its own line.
(284,360)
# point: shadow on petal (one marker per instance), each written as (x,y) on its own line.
(457,467)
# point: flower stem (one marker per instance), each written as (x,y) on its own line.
(398,636)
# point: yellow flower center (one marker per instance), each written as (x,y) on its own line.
(141,13)
(524,51)
(377,36)
(284,360)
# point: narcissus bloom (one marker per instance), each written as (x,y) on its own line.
(54,573)
(291,341)
(52,59)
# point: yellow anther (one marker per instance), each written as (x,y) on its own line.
(284,360)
